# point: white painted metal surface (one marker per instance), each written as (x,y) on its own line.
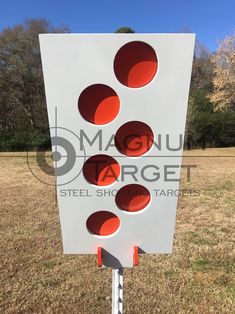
(72,62)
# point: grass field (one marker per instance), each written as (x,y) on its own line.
(37,278)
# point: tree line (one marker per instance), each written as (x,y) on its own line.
(23,113)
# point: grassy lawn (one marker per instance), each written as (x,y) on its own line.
(197,278)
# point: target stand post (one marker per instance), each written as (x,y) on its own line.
(117,291)
(117,280)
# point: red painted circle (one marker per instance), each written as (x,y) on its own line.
(135,64)
(101,170)
(103,223)
(99,104)
(132,197)
(134,138)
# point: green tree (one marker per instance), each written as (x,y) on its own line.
(198,117)
(206,127)
(124,29)
(199,107)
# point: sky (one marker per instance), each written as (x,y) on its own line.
(211,20)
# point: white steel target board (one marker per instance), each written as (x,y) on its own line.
(100,88)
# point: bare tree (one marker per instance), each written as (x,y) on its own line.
(223,96)
(202,71)
(22,101)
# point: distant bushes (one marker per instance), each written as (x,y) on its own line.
(24,140)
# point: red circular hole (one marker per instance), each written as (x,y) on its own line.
(99,104)
(132,197)
(135,64)
(134,138)
(101,170)
(103,223)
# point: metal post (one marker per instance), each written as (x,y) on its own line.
(117,291)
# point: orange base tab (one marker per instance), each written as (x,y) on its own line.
(136,256)
(99,256)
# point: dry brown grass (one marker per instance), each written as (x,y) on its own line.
(197,278)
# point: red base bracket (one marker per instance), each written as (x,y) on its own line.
(136,256)
(99,256)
